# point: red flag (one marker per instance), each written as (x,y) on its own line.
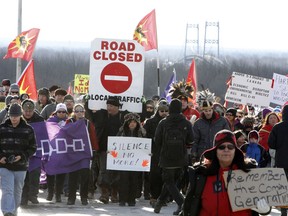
(23,45)
(69,90)
(192,78)
(27,81)
(146,32)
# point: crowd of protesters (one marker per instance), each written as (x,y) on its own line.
(258,135)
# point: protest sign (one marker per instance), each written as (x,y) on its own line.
(245,189)
(279,94)
(129,153)
(249,90)
(81,83)
(116,69)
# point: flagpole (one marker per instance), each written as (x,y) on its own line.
(158,64)
(18,61)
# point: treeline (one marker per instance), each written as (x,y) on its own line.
(58,66)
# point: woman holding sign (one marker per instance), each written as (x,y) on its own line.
(128,179)
(207,194)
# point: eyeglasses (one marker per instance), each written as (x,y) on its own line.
(228,114)
(229,147)
(61,111)
(149,107)
(13,92)
(79,111)
(164,111)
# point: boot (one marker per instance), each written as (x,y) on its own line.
(158,206)
(49,197)
(179,209)
(58,198)
(114,195)
(104,198)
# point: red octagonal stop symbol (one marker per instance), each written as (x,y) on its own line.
(116,77)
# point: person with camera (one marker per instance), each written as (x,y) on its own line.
(17,145)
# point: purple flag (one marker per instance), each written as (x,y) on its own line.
(41,135)
(166,91)
(64,149)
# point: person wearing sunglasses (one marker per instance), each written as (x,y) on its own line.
(207,194)
(81,176)
(150,125)
(14,89)
(59,116)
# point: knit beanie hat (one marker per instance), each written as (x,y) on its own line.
(175,106)
(8,99)
(28,104)
(15,110)
(233,111)
(61,107)
(253,134)
(163,105)
(14,87)
(238,134)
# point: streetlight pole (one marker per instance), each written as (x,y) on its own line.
(18,61)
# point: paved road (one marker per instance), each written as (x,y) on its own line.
(46,208)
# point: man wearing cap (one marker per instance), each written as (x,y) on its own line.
(156,183)
(107,123)
(69,102)
(17,145)
(205,128)
(233,122)
(43,99)
(50,108)
(31,185)
(14,89)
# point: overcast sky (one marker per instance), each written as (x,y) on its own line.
(245,24)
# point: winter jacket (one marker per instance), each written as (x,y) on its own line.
(278,140)
(173,120)
(17,141)
(197,181)
(263,135)
(204,132)
(107,125)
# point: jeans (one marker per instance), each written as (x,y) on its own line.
(11,184)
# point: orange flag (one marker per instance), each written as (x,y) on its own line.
(27,81)
(192,78)
(146,32)
(23,45)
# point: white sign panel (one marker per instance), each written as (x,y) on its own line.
(116,69)
(279,94)
(249,90)
(245,189)
(129,153)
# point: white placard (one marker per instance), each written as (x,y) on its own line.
(249,90)
(116,69)
(279,94)
(129,153)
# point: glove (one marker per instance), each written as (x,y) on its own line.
(262,206)
(193,119)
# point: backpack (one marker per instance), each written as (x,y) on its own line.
(174,142)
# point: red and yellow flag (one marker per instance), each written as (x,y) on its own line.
(27,81)
(192,78)
(23,45)
(146,32)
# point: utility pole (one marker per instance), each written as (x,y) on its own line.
(18,60)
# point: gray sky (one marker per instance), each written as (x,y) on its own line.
(245,24)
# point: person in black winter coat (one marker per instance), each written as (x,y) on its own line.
(150,126)
(278,140)
(17,145)
(173,152)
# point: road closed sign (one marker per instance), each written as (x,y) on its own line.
(116,69)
